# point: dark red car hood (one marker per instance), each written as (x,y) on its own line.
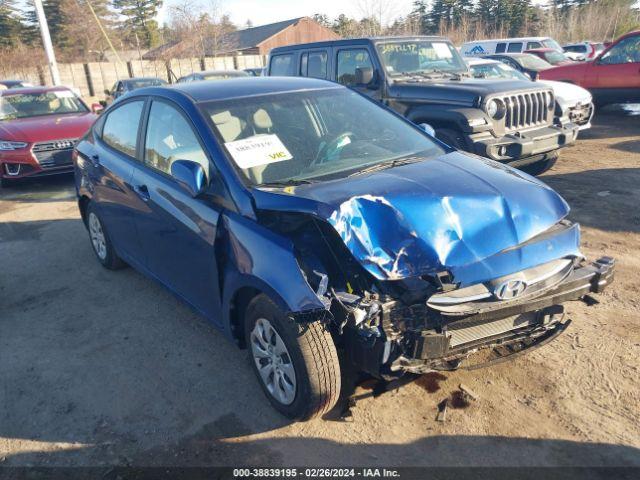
(47,127)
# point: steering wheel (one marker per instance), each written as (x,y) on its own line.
(331,148)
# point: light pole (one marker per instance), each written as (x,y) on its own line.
(46,41)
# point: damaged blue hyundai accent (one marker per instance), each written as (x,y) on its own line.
(308,222)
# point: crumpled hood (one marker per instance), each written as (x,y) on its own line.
(446,213)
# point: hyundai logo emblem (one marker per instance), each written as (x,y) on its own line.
(510,289)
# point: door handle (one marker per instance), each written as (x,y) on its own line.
(95,160)
(143,192)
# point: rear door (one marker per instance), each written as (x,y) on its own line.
(177,231)
(619,69)
(111,166)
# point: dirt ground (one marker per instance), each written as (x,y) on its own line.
(107,368)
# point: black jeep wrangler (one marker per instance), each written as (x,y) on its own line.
(426,80)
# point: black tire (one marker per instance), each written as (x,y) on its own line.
(312,354)
(452,138)
(541,166)
(109,258)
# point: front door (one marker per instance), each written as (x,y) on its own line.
(177,231)
(348,62)
(617,72)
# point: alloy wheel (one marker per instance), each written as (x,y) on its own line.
(97,236)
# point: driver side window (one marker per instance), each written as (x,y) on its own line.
(348,62)
(170,138)
(626,51)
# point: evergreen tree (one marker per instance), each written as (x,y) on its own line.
(10,26)
(140,20)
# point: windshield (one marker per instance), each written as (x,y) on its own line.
(497,71)
(551,43)
(37,104)
(402,58)
(313,135)
(555,57)
(147,82)
(532,62)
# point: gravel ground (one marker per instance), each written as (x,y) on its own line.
(107,368)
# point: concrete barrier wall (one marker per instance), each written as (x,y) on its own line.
(91,79)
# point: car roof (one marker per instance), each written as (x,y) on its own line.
(33,90)
(515,39)
(239,73)
(241,87)
(137,79)
(355,41)
(471,61)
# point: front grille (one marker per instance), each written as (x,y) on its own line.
(526,110)
(56,153)
(460,335)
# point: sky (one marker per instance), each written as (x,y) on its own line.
(261,12)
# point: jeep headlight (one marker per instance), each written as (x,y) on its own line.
(495,109)
(6,145)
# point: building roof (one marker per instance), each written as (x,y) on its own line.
(233,41)
(254,36)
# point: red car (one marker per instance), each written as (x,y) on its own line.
(613,77)
(554,57)
(39,127)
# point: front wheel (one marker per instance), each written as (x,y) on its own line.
(541,166)
(296,363)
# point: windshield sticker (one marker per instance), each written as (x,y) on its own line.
(258,150)
(64,94)
(442,49)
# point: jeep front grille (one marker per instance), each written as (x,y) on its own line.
(526,110)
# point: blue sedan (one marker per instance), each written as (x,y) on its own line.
(308,222)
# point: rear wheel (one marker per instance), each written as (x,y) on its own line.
(297,364)
(100,241)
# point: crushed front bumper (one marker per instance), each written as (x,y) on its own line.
(518,148)
(513,326)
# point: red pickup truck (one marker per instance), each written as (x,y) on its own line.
(613,77)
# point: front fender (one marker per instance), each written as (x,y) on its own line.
(468,120)
(256,257)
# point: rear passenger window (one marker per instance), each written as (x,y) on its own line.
(501,48)
(120,129)
(170,138)
(515,47)
(317,65)
(282,65)
(348,61)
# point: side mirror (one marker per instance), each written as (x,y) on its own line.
(97,108)
(428,129)
(364,75)
(107,92)
(190,176)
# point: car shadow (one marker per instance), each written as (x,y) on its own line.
(606,199)
(613,121)
(56,188)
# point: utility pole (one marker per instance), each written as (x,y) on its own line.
(46,41)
